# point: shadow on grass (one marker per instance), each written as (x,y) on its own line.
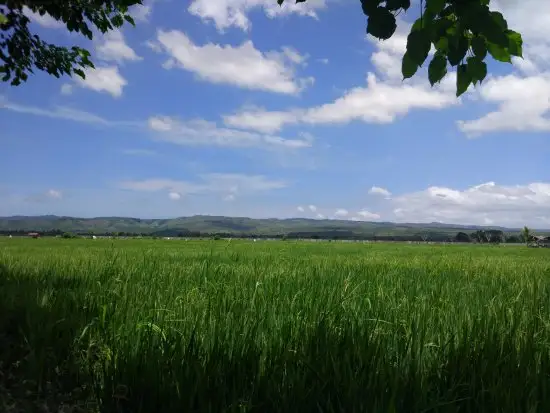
(45,368)
(39,318)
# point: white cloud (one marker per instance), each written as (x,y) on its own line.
(103,79)
(174,196)
(113,47)
(522,98)
(300,209)
(46,20)
(201,132)
(57,112)
(228,13)
(141,12)
(384,98)
(367,215)
(212,183)
(312,208)
(47,196)
(323,60)
(243,66)
(320,216)
(379,102)
(54,194)
(260,120)
(196,132)
(66,89)
(505,205)
(341,212)
(376,190)
(523,105)
(229,198)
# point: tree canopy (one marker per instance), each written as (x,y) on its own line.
(21,51)
(463,33)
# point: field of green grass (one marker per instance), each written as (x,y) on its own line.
(215,326)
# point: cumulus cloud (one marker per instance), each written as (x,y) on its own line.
(481,204)
(141,12)
(384,98)
(376,190)
(320,216)
(174,196)
(54,194)
(243,66)
(523,105)
(312,208)
(341,212)
(300,209)
(103,79)
(521,99)
(228,13)
(200,132)
(365,215)
(113,47)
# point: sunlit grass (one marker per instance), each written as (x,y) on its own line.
(175,326)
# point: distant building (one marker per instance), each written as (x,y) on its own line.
(540,241)
(34,234)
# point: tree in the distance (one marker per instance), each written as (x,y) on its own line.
(462,32)
(526,234)
(21,52)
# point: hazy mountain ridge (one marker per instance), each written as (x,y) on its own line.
(233,225)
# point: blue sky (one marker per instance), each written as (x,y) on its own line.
(242,108)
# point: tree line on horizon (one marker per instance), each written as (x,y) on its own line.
(479,236)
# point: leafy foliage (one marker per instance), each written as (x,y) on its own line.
(461,31)
(21,52)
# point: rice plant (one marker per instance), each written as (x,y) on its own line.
(210,326)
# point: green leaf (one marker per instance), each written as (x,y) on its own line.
(3,19)
(117,20)
(130,19)
(499,19)
(369,6)
(463,79)
(80,73)
(494,28)
(437,68)
(442,45)
(479,47)
(458,46)
(499,53)
(435,6)
(418,45)
(425,21)
(381,24)
(477,69)
(408,66)
(515,43)
(398,4)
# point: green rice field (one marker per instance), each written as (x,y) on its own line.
(215,326)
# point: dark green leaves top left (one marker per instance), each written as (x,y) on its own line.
(381,24)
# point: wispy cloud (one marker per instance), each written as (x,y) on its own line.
(228,186)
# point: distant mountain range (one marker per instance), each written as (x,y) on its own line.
(232,225)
